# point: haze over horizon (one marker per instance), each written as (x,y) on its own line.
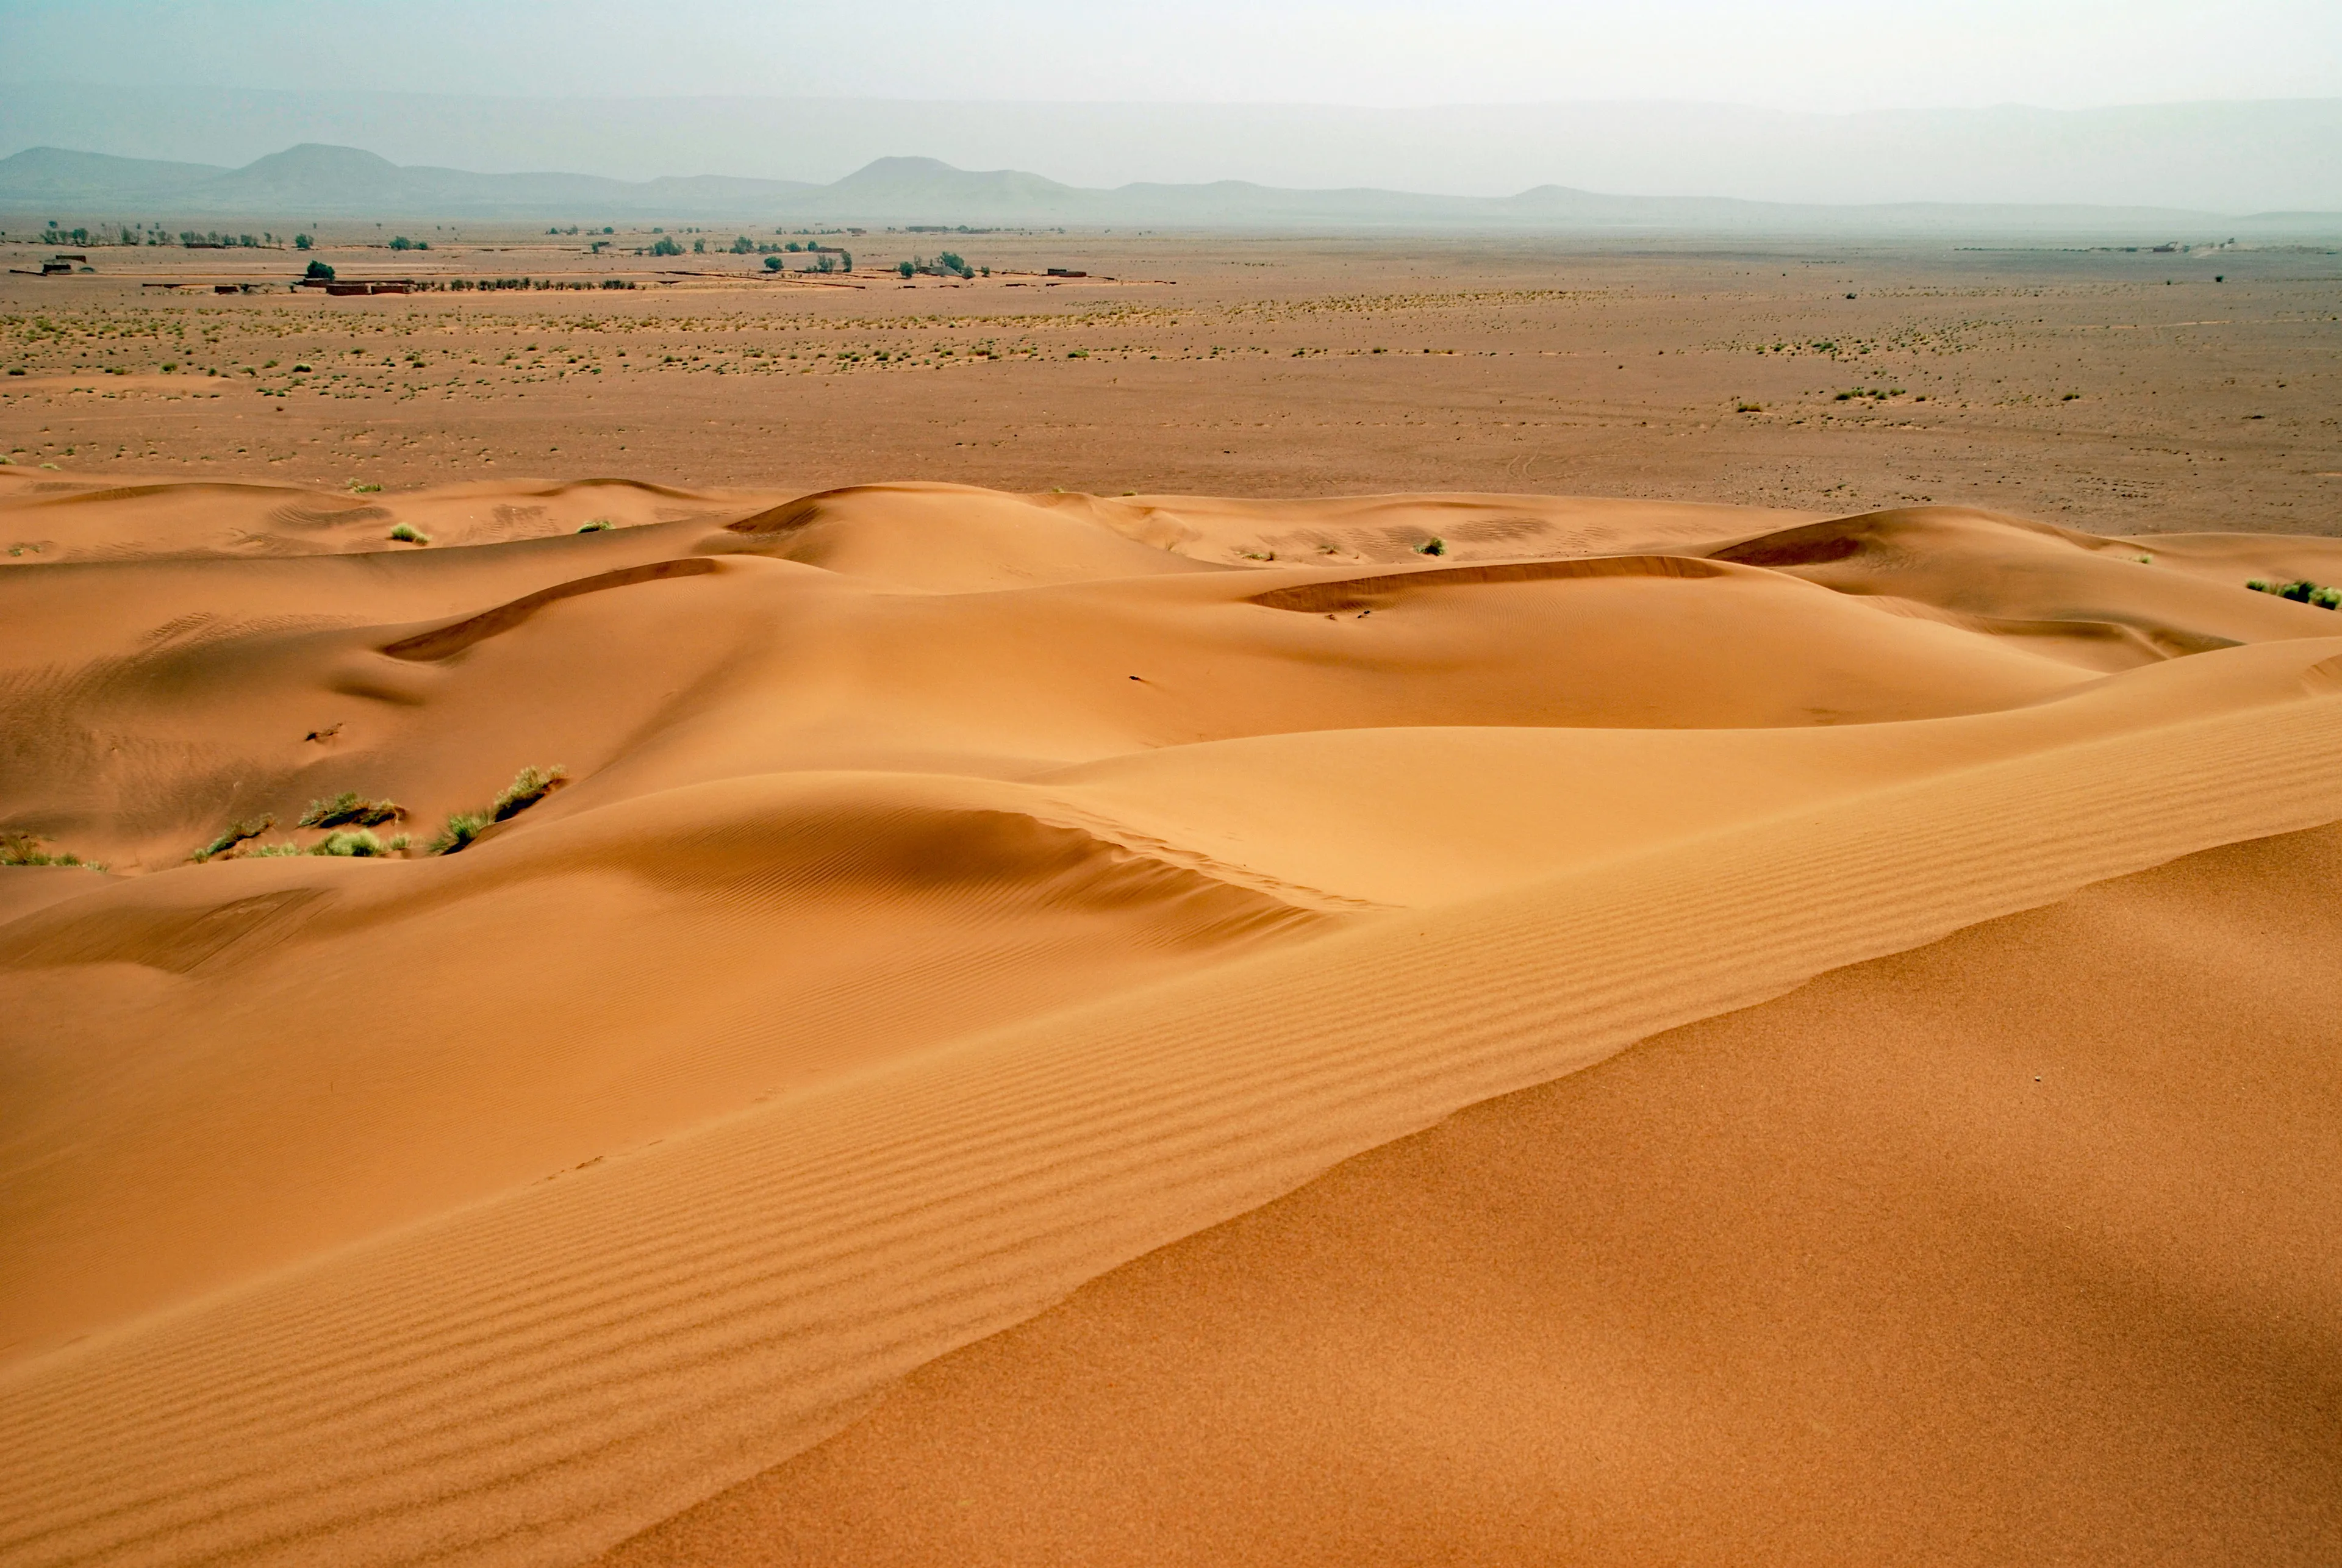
(1829,55)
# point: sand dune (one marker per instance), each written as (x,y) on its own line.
(950,897)
(2013,1248)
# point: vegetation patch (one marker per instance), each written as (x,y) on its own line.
(360,843)
(25,849)
(235,835)
(530,785)
(461,830)
(407,533)
(2301,591)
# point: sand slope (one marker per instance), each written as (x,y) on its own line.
(2018,1247)
(954,896)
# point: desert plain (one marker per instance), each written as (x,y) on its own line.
(1312,900)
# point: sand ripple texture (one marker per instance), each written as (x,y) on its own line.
(954,895)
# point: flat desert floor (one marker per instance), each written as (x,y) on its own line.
(791,992)
(2124,392)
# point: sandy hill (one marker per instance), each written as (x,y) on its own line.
(861,920)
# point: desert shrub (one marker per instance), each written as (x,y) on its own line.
(348,809)
(25,849)
(665,246)
(407,533)
(360,843)
(301,241)
(599,525)
(774,264)
(530,785)
(1432,547)
(271,850)
(318,269)
(236,834)
(462,828)
(2301,591)
(905,268)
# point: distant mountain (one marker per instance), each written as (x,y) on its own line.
(54,174)
(345,181)
(2227,157)
(315,180)
(895,187)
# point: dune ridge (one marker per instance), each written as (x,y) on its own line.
(2009,1248)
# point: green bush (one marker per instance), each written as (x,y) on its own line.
(774,264)
(530,785)
(236,834)
(301,241)
(1432,547)
(360,843)
(319,270)
(665,248)
(599,525)
(25,849)
(2301,591)
(407,533)
(461,830)
(271,850)
(347,809)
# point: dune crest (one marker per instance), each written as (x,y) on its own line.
(950,897)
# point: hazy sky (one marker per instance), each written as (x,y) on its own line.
(1826,55)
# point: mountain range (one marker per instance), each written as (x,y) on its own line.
(314,180)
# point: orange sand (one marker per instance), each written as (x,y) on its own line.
(2016,1248)
(957,895)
